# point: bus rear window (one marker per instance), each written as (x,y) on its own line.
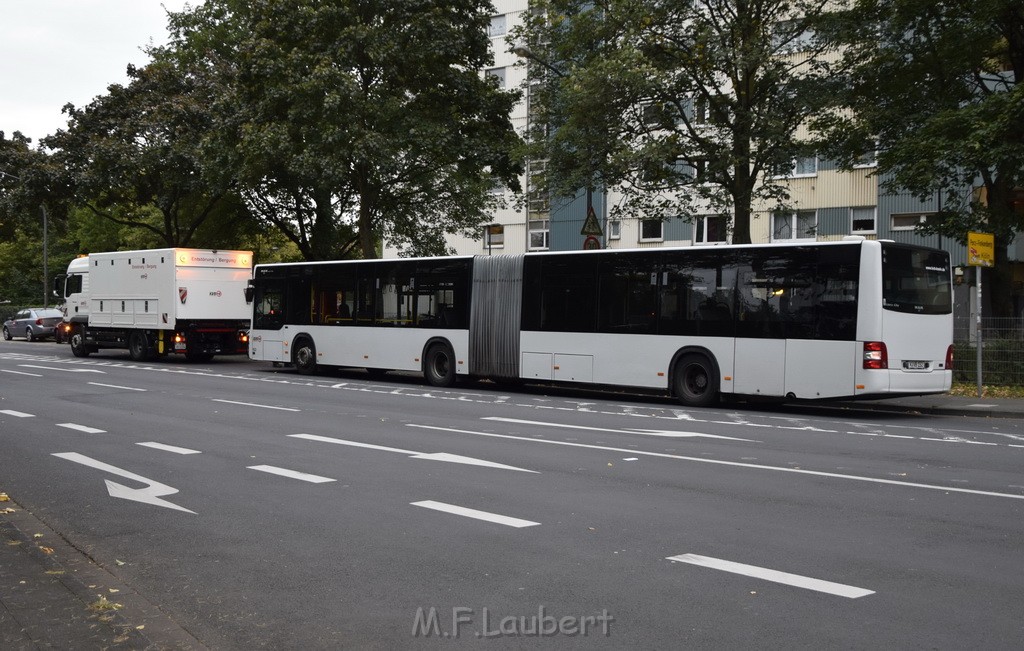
(915,280)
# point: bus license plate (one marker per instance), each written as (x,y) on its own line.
(915,365)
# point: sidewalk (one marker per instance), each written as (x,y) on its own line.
(941,405)
(52,596)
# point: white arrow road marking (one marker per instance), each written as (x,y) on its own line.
(16,414)
(355,444)
(168,448)
(252,404)
(457,458)
(3,370)
(434,456)
(647,432)
(838,589)
(115,386)
(473,513)
(735,464)
(293,474)
(151,494)
(82,428)
(66,370)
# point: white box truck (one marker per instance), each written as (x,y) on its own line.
(191,302)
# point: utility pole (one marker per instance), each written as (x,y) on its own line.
(46,258)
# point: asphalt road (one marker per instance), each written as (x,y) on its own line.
(263,509)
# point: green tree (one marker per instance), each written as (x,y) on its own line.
(132,157)
(346,122)
(688,108)
(936,83)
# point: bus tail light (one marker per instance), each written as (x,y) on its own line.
(875,355)
(949,358)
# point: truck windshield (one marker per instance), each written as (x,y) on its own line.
(915,280)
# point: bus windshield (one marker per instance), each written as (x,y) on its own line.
(915,280)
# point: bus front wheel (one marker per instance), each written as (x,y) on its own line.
(78,345)
(439,366)
(305,357)
(695,381)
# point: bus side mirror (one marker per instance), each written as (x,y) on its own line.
(250,291)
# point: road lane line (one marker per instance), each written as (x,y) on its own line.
(253,404)
(168,448)
(21,373)
(82,428)
(477,515)
(66,370)
(293,474)
(115,386)
(735,464)
(647,432)
(16,414)
(805,582)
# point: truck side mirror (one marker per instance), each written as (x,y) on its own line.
(58,285)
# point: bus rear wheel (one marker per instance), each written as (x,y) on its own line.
(305,356)
(439,365)
(695,381)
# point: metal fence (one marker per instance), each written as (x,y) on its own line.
(1002,351)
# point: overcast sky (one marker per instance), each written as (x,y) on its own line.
(57,51)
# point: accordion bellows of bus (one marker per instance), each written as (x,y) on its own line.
(853,318)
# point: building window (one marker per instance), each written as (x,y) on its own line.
(540,230)
(652,230)
(498,26)
(614,229)
(906,222)
(799,225)
(805,166)
(494,236)
(499,74)
(712,229)
(862,220)
(867,159)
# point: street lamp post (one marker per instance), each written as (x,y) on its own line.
(524,51)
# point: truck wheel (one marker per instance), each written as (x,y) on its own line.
(439,365)
(138,346)
(305,356)
(28,335)
(7,334)
(695,381)
(78,347)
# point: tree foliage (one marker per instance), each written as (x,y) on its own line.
(132,156)
(936,84)
(690,108)
(346,122)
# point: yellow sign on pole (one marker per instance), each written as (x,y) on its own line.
(981,250)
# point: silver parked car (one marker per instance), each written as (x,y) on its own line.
(33,323)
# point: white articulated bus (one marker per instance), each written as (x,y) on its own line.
(855,318)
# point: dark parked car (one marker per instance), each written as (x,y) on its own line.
(33,323)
